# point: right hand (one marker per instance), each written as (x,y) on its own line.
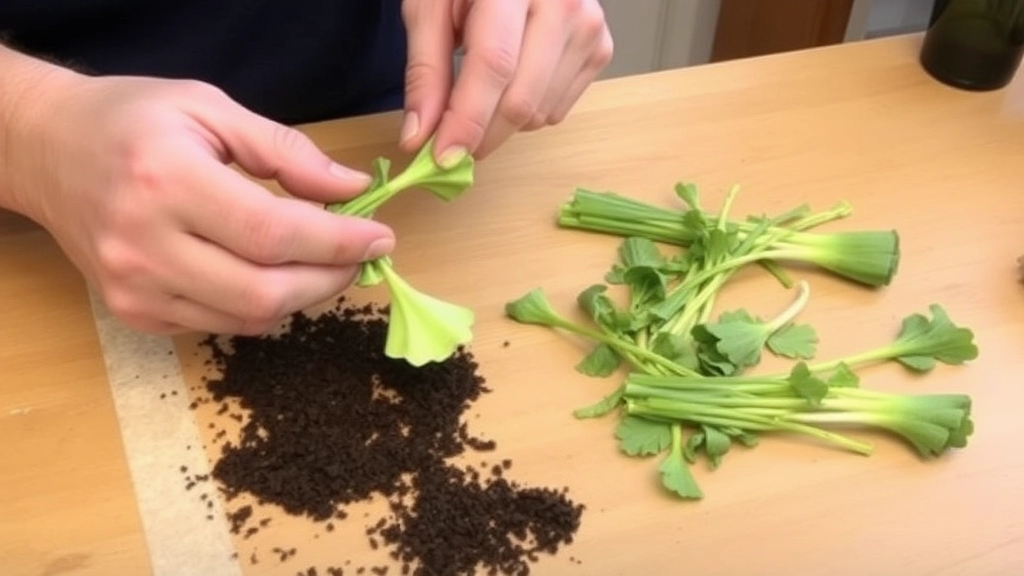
(131,177)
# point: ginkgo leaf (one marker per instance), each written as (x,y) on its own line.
(807,385)
(794,341)
(643,437)
(601,362)
(843,377)
(675,473)
(716,444)
(421,328)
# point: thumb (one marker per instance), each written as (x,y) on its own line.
(428,72)
(269,150)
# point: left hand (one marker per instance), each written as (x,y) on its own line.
(525,64)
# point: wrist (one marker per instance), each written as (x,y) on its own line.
(27,90)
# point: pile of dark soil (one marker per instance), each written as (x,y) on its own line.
(331,421)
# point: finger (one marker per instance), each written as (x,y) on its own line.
(269,150)
(184,312)
(493,38)
(428,72)
(247,220)
(133,304)
(588,71)
(152,325)
(233,295)
(526,97)
(180,315)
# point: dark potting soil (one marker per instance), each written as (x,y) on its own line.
(332,421)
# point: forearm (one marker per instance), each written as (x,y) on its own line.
(25,87)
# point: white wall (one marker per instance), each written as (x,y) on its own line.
(888,17)
(659,34)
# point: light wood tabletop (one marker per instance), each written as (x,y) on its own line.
(859,122)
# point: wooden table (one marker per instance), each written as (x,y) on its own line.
(859,122)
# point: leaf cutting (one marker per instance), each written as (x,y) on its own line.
(421,328)
(691,386)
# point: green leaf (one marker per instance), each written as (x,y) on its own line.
(695,224)
(422,172)
(421,328)
(693,445)
(745,437)
(794,341)
(714,441)
(676,348)
(640,268)
(843,377)
(533,308)
(716,444)
(958,437)
(637,251)
(445,182)
(922,341)
(600,308)
(806,385)
(640,436)
(720,244)
(614,276)
(603,311)
(602,361)
(688,194)
(741,337)
(369,275)
(601,407)
(647,285)
(740,315)
(917,363)
(712,362)
(675,474)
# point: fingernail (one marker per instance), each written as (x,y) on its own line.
(378,248)
(349,174)
(452,156)
(410,126)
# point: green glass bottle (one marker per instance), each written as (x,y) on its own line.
(974,44)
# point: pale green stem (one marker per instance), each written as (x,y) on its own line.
(787,315)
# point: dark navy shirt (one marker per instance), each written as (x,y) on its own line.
(293,61)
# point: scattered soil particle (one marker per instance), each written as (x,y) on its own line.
(239,517)
(503,524)
(331,421)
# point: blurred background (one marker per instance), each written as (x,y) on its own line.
(655,35)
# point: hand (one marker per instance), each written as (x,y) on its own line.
(526,64)
(130,176)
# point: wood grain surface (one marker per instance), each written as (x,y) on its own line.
(858,122)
